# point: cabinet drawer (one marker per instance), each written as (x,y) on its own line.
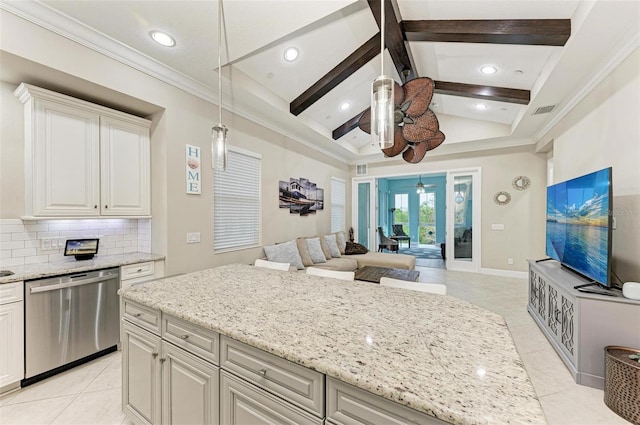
(142,316)
(242,403)
(349,405)
(193,338)
(132,271)
(11,292)
(297,384)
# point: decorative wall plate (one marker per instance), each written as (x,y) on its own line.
(521,183)
(502,198)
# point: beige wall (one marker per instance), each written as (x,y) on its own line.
(523,217)
(603,130)
(179,118)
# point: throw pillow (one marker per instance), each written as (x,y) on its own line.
(333,245)
(304,252)
(325,248)
(286,252)
(342,241)
(315,250)
(353,248)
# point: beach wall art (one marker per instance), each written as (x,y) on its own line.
(301,196)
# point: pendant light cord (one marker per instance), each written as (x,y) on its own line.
(382,37)
(219,62)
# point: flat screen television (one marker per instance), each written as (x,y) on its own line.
(579,225)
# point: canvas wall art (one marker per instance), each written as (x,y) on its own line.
(301,196)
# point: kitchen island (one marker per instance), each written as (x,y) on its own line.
(437,355)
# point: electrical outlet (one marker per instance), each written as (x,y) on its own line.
(45,243)
(193,237)
(497,227)
(509,260)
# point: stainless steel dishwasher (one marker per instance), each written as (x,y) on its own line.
(68,320)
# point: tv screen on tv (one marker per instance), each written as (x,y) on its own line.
(578,231)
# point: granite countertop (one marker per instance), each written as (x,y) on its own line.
(437,354)
(43,270)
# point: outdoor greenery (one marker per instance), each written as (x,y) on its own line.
(426,234)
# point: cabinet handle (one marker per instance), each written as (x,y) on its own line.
(154,355)
(106,207)
(139,270)
(262,372)
(95,206)
(185,336)
(162,359)
(137,315)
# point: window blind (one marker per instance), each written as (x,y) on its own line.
(237,202)
(337,204)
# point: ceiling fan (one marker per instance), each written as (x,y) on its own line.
(416,126)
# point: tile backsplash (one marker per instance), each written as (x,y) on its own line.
(29,242)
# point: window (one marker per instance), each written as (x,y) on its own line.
(401,212)
(337,204)
(427,219)
(237,202)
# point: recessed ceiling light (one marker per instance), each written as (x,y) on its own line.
(344,106)
(162,38)
(290,54)
(488,69)
(481,106)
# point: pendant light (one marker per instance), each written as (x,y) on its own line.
(219,132)
(382,100)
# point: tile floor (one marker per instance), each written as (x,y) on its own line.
(90,394)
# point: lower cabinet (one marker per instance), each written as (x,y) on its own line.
(243,403)
(11,335)
(163,384)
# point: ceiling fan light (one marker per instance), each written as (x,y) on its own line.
(162,38)
(382,112)
(290,54)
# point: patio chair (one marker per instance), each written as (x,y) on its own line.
(386,243)
(399,234)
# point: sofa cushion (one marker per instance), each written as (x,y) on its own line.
(383,259)
(286,252)
(342,241)
(343,264)
(304,252)
(333,245)
(325,248)
(315,250)
(355,248)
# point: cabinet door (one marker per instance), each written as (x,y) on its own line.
(141,375)
(63,151)
(125,169)
(189,389)
(242,403)
(12,346)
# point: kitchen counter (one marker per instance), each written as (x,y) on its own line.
(436,354)
(43,270)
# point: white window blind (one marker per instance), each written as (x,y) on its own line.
(337,204)
(236,202)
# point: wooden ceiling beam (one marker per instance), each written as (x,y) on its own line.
(329,81)
(500,94)
(537,32)
(347,126)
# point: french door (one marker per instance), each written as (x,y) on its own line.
(463,220)
(364,199)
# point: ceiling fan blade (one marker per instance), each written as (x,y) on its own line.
(365,121)
(399,144)
(436,141)
(419,93)
(423,128)
(415,153)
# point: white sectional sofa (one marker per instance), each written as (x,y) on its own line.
(319,252)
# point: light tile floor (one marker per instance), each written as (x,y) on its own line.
(90,394)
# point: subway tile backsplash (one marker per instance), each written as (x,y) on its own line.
(29,242)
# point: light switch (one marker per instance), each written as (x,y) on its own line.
(497,227)
(193,237)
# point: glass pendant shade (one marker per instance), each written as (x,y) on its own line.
(382,109)
(219,147)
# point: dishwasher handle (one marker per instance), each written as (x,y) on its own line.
(46,288)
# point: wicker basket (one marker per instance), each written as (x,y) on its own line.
(622,382)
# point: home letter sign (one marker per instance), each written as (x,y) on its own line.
(193,170)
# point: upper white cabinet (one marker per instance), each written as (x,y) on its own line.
(82,159)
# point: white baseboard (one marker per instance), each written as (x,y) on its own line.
(505,273)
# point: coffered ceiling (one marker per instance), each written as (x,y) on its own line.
(550,56)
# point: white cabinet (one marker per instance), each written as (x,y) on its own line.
(140,272)
(82,159)
(11,335)
(161,382)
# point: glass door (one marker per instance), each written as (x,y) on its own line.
(427,219)
(363,215)
(463,220)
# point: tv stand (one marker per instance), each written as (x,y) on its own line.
(577,323)
(544,259)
